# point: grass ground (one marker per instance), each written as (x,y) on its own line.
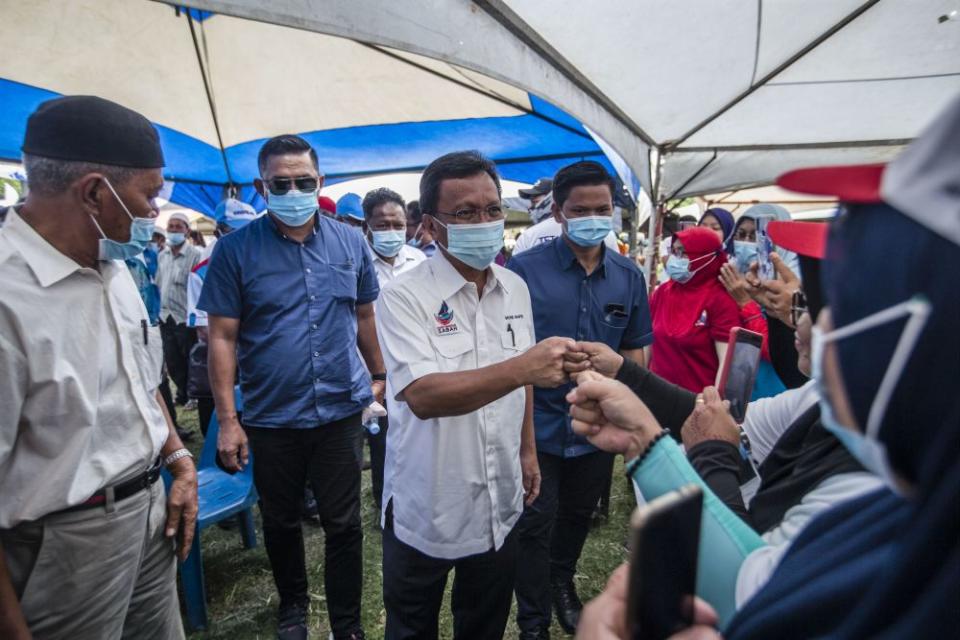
(242,600)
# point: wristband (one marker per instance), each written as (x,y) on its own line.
(632,467)
(176,455)
(382,377)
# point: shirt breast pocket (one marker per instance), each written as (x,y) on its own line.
(452,350)
(343,281)
(148,357)
(515,339)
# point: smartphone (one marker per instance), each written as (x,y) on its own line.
(764,247)
(663,564)
(739,371)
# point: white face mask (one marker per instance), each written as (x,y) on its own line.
(866,446)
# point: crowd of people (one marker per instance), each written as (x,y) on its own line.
(494,392)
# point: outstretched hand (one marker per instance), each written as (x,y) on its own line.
(610,415)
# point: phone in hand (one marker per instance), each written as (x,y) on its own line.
(739,372)
(663,564)
(765,268)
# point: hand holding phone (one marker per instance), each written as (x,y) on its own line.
(663,564)
(739,373)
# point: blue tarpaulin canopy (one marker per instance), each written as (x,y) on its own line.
(217,87)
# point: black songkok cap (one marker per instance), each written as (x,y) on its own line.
(91,129)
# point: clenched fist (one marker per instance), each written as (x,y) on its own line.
(543,363)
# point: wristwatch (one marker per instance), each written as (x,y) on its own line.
(176,455)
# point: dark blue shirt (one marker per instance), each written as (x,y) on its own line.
(609,306)
(297,346)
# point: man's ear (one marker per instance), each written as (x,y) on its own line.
(320,180)
(92,192)
(555,208)
(261,187)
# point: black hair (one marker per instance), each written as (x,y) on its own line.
(578,174)
(413,211)
(284,145)
(381,196)
(459,164)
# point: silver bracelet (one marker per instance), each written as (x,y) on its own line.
(176,455)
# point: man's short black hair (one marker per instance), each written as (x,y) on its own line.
(459,164)
(285,145)
(381,196)
(579,174)
(413,211)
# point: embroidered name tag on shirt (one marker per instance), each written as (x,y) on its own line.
(444,318)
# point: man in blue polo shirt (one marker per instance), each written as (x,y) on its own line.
(581,290)
(289,297)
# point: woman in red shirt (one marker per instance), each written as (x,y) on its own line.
(692,313)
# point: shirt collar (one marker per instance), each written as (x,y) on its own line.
(449,281)
(47,263)
(568,260)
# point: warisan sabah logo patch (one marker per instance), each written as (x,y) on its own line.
(444,317)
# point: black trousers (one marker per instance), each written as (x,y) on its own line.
(413,586)
(378,454)
(553,529)
(326,456)
(178,339)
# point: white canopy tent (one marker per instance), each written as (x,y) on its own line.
(696,96)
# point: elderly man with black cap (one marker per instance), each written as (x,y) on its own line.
(85,529)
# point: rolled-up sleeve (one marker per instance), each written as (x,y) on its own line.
(404,340)
(368,287)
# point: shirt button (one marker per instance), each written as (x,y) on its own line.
(313,326)
(317,380)
(307,269)
(584,309)
(313,297)
(316,354)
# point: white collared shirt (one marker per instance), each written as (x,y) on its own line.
(456,481)
(78,410)
(173,272)
(407,259)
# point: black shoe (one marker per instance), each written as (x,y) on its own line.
(536,633)
(292,622)
(566,604)
(185,436)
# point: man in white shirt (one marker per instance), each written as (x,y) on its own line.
(85,528)
(385,226)
(457,337)
(175,263)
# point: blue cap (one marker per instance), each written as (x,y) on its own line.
(234,213)
(350,206)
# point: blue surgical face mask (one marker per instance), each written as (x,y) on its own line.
(387,243)
(679,268)
(293,208)
(475,245)
(588,231)
(176,238)
(141,233)
(866,446)
(746,254)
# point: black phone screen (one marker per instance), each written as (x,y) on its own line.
(663,566)
(741,377)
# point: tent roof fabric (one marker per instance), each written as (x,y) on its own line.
(681,98)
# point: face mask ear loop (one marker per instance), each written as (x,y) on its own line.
(125,210)
(919,310)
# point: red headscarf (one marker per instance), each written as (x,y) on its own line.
(679,305)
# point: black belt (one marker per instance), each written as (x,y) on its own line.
(123,490)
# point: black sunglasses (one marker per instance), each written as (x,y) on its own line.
(280,186)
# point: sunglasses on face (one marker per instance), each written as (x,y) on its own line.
(746,236)
(280,186)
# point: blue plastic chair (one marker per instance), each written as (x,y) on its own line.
(220,496)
